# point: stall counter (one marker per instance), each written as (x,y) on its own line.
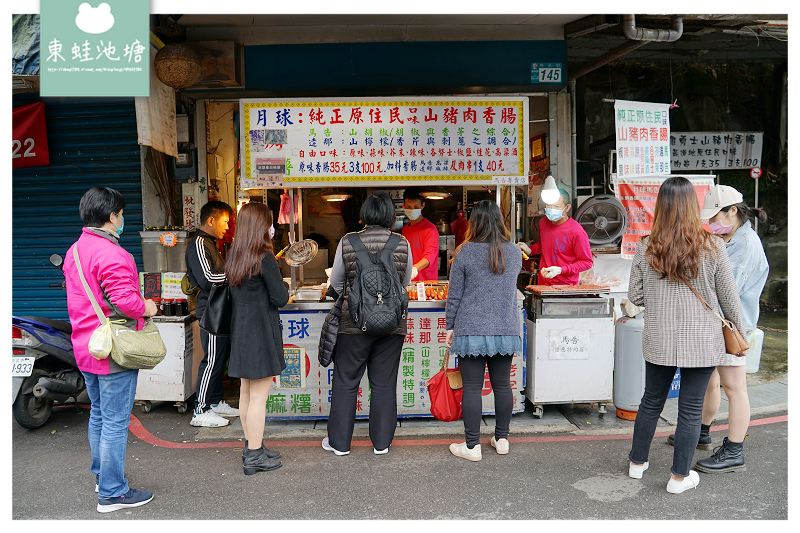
(303,390)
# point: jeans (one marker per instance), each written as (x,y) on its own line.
(473,370)
(658,379)
(112,400)
(380,356)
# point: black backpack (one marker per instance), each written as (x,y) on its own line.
(378,301)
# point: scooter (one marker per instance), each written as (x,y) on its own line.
(43,369)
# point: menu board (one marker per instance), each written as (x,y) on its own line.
(320,143)
(642,138)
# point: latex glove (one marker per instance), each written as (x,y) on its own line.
(150,308)
(414,273)
(551,272)
(448,340)
(524,247)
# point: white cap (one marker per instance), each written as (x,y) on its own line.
(717,197)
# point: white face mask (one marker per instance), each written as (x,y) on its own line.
(271,231)
(413,214)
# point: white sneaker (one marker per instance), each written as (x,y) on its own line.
(223,409)
(500,445)
(209,419)
(461,450)
(635,471)
(689,482)
(327,447)
(380,452)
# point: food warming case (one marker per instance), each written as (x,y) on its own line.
(570,346)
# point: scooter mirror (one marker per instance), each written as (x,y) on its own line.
(56,260)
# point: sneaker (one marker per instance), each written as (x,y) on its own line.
(209,419)
(327,447)
(134,498)
(500,445)
(461,450)
(223,409)
(380,452)
(689,482)
(635,471)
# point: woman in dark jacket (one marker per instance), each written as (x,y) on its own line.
(257,291)
(356,350)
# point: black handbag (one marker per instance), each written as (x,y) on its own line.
(216,319)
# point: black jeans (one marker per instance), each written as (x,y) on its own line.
(473,370)
(690,412)
(380,354)
(212,368)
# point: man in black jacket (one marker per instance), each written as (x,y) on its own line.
(205,266)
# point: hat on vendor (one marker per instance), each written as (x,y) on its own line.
(717,198)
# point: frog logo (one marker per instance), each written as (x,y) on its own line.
(94,20)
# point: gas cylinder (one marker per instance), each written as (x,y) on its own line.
(628,365)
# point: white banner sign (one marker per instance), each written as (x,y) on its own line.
(322,143)
(642,137)
(713,150)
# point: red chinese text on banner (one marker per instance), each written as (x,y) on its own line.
(638,196)
(29,132)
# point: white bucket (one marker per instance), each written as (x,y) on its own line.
(756,342)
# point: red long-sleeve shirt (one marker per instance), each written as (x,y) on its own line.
(566,246)
(423,237)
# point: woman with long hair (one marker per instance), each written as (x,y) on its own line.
(729,218)
(679,332)
(482,320)
(257,291)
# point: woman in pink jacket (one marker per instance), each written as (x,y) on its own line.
(111,274)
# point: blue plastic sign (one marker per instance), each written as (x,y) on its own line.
(546,73)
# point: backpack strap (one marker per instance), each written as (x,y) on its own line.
(358,246)
(388,250)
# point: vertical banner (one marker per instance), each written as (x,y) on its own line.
(638,196)
(29,131)
(642,136)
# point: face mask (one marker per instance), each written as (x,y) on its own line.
(271,231)
(122,225)
(413,214)
(553,215)
(718,229)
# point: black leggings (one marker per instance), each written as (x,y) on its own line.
(473,370)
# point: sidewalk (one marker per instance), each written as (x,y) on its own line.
(766,397)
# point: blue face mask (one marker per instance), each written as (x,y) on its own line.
(122,225)
(553,215)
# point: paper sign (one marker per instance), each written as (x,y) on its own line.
(712,150)
(642,138)
(171,285)
(294,375)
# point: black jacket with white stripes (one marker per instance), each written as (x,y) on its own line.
(204,266)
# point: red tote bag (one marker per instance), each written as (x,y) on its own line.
(446,400)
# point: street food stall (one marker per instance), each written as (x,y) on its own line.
(326,155)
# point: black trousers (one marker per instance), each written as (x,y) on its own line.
(209,374)
(380,355)
(473,370)
(657,381)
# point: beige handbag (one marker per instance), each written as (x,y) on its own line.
(132,349)
(734,342)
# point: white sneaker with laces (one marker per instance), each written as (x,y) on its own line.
(635,471)
(223,409)
(209,419)
(461,450)
(327,447)
(689,482)
(500,445)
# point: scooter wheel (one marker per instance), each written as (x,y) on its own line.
(29,411)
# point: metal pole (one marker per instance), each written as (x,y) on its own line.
(293,270)
(756,206)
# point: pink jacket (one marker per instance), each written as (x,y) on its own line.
(111,274)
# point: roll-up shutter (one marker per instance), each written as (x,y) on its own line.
(92,142)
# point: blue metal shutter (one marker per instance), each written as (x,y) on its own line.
(92,142)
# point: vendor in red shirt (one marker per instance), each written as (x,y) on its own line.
(563,243)
(422,236)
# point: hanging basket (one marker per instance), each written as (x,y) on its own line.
(178,66)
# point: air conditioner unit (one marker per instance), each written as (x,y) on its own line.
(222,63)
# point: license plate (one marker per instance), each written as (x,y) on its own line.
(22,366)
